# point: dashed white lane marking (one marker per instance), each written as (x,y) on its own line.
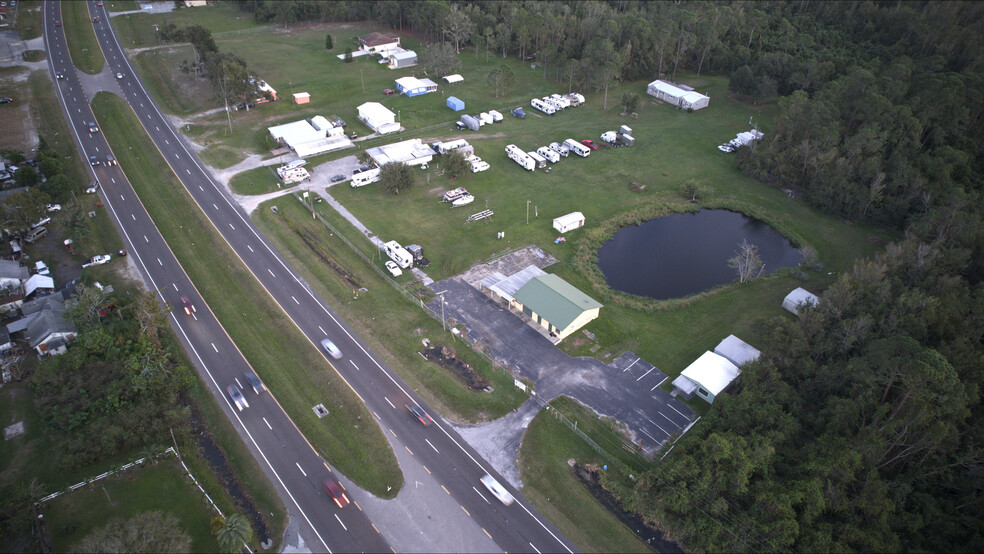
(535,548)
(159,262)
(267,424)
(214,348)
(323,331)
(295,301)
(298,464)
(134,217)
(340,522)
(432,446)
(355,366)
(483,496)
(388,402)
(236,379)
(250,248)
(231,227)
(271,273)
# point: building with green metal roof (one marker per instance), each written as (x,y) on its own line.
(556,305)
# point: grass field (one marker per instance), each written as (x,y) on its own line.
(549,484)
(300,380)
(260,180)
(29,23)
(161,486)
(81,37)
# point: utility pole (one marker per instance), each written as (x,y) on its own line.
(527,212)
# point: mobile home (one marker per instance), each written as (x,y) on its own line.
(517,155)
(550,155)
(541,162)
(560,149)
(542,106)
(398,254)
(363,178)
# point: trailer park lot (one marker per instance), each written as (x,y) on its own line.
(672,148)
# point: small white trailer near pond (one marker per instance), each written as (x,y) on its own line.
(568,222)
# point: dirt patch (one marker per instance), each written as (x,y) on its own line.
(446,358)
(324,253)
(588,475)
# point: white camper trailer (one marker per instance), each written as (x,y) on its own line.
(517,155)
(496,116)
(542,106)
(398,254)
(552,103)
(560,149)
(562,101)
(460,144)
(549,154)
(486,118)
(541,162)
(363,178)
(577,148)
(479,165)
(608,136)
(575,98)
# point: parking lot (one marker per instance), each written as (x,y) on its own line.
(627,390)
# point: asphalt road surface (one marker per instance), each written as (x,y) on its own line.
(293,465)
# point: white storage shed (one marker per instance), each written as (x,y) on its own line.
(568,222)
(737,351)
(683,99)
(712,373)
(378,118)
(799,298)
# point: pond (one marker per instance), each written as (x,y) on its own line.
(683,254)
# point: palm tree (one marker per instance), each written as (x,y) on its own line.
(232,532)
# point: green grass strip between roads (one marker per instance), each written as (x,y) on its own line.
(81,37)
(291,366)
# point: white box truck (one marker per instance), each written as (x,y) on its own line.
(549,154)
(398,254)
(517,155)
(577,148)
(541,162)
(542,106)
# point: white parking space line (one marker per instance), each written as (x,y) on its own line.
(630,365)
(267,424)
(652,437)
(644,374)
(667,418)
(236,379)
(480,494)
(654,388)
(388,402)
(355,366)
(298,464)
(663,381)
(432,446)
(663,430)
(340,522)
(677,411)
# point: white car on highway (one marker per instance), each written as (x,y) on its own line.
(97,260)
(497,490)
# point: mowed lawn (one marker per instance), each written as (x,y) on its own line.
(161,486)
(81,37)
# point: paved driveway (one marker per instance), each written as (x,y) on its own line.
(627,390)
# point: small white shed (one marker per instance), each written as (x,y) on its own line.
(712,374)
(737,351)
(799,298)
(568,222)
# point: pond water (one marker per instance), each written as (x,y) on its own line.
(683,254)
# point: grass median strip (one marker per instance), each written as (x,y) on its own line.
(81,37)
(292,368)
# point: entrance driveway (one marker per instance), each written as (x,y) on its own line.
(627,390)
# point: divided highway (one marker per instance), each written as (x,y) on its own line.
(293,465)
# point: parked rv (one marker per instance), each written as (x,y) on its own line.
(486,118)
(542,106)
(541,162)
(577,148)
(550,155)
(560,149)
(561,101)
(496,116)
(363,177)
(398,254)
(517,155)
(609,137)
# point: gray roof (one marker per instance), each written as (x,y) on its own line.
(51,319)
(507,287)
(10,269)
(737,351)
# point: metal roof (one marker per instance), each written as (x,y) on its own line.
(555,300)
(711,371)
(507,287)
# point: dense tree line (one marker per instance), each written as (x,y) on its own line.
(859,429)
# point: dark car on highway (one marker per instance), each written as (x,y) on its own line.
(420,414)
(337,493)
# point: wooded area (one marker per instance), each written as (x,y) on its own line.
(860,427)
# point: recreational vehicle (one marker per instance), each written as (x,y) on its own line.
(549,154)
(363,178)
(517,155)
(542,106)
(577,148)
(560,149)
(541,162)
(563,102)
(398,254)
